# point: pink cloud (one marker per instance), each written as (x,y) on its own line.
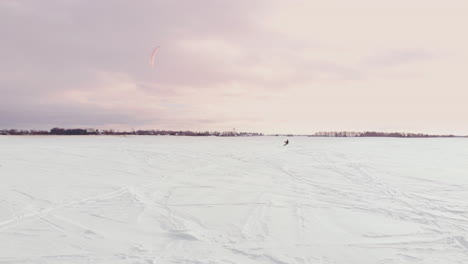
(265,65)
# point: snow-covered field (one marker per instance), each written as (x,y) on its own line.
(103,199)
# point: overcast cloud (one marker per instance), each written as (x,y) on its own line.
(266,66)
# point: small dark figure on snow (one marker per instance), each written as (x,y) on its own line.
(286,142)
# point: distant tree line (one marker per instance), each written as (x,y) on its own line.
(23,132)
(376,134)
(92,131)
(74,131)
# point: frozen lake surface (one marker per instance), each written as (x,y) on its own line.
(104,199)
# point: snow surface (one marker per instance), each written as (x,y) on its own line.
(104,199)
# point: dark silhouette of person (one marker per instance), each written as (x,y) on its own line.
(286,142)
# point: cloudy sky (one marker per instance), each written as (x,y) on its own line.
(271,66)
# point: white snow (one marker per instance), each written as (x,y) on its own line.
(104,199)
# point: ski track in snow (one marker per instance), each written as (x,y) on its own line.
(233,200)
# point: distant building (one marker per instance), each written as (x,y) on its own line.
(92,131)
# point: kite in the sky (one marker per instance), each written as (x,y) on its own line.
(153,55)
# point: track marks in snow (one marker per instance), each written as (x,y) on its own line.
(4,225)
(184,200)
(255,227)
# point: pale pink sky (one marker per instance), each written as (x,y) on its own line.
(268,66)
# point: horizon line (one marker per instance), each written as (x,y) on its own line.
(316,133)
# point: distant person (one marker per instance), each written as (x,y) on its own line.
(286,142)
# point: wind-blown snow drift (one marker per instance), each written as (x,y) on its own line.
(100,199)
